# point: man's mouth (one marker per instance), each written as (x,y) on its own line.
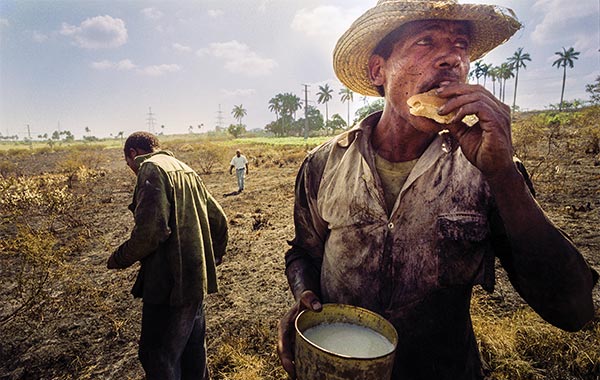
(441,80)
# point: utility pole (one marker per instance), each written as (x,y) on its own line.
(305,112)
(29,137)
(150,120)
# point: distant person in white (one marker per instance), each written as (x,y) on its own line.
(240,163)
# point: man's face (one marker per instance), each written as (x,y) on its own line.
(130,160)
(428,54)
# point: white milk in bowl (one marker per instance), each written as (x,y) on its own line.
(349,340)
(344,342)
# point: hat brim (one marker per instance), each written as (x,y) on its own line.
(491,26)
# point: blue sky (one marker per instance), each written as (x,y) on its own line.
(69,65)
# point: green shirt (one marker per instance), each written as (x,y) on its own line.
(179,231)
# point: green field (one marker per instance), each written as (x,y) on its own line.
(169,139)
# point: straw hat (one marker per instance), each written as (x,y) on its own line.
(491,25)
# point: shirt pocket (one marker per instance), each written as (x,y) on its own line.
(462,240)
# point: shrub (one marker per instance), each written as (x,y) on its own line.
(8,168)
(210,156)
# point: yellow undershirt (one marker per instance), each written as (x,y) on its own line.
(393,175)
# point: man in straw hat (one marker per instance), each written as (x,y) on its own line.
(403,216)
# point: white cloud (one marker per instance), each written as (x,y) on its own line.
(239,58)
(102,65)
(124,64)
(263,5)
(39,37)
(567,23)
(152,13)
(241,92)
(4,22)
(182,48)
(214,13)
(324,21)
(128,65)
(97,32)
(158,70)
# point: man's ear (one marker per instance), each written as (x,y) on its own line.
(376,70)
(132,153)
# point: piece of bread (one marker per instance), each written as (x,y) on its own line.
(427,105)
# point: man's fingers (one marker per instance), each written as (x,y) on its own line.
(285,343)
(289,367)
(310,301)
(287,334)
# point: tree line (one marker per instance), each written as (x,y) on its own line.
(510,69)
(285,106)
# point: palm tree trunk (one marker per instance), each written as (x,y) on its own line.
(515,95)
(326,118)
(348,126)
(562,92)
(500,90)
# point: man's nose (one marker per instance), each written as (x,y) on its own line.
(450,58)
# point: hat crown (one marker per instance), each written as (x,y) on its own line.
(491,25)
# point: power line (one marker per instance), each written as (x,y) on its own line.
(219,118)
(150,120)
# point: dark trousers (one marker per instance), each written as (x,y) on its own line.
(172,342)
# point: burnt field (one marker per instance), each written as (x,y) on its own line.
(63,315)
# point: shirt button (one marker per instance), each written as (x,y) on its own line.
(391,225)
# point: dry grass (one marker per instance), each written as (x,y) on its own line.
(521,346)
(64,316)
(247,353)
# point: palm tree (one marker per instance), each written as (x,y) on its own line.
(494,74)
(478,70)
(566,58)
(486,70)
(238,113)
(287,104)
(517,61)
(347,96)
(291,104)
(275,105)
(505,71)
(285,107)
(324,96)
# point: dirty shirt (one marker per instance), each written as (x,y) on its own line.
(179,231)
(416,264)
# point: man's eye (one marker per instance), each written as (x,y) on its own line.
(462,44)
(425,41)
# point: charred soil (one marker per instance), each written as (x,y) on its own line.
(65,316)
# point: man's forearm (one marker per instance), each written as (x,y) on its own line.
(302,275)
(545,266)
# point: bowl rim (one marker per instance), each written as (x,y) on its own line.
(361,310)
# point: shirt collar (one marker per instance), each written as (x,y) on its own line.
(143,157)
(441,146)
